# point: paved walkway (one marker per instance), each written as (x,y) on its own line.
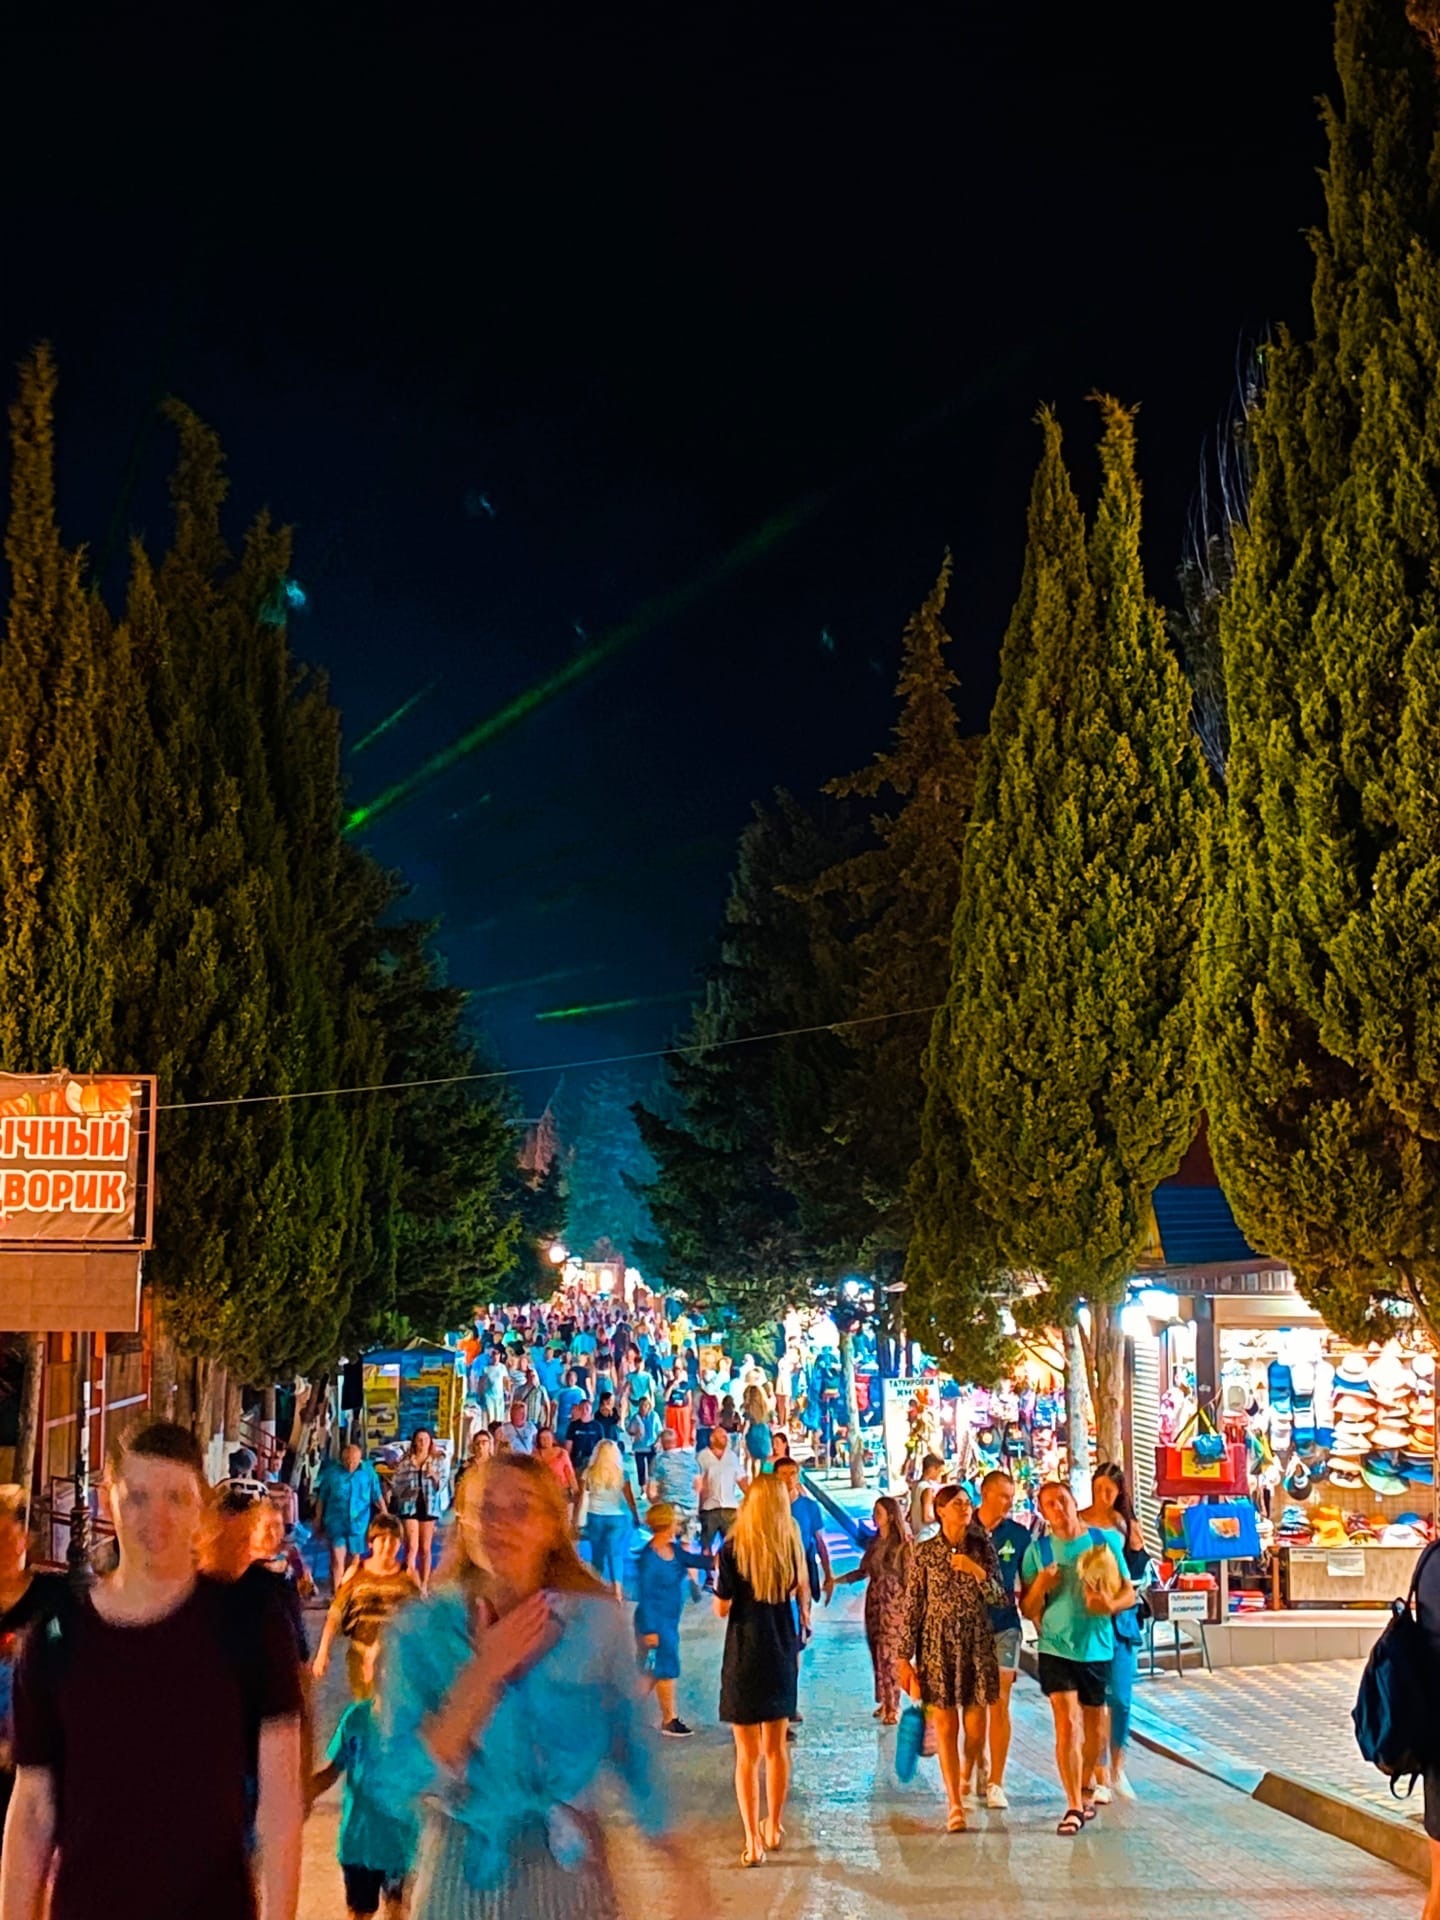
(1292,1719)
(861,1846)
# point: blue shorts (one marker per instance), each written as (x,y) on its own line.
(350,1542)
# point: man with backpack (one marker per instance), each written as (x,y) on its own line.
(204,1681)
(1076,1619)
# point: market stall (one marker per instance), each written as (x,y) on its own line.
(406,1388)
(1334,1446)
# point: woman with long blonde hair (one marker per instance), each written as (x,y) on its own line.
(477,1676)
(611,1515)
(760,1581)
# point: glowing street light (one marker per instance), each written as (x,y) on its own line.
(558,1253)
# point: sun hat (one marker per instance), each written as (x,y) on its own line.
(1352,1406)
(1345,1474)
(1381,1478)
(1400,1533)
(1386,1439)
(1297,1480)
(1352,1373)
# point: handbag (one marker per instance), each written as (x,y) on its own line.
(1222,1530)
(909,1742)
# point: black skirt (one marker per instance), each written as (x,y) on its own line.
(762,1651)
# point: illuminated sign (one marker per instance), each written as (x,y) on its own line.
(77,1161)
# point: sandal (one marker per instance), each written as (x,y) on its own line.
(753,1858)
(773,1838)
(1088,1811)
(1072,1823)
(955,1820)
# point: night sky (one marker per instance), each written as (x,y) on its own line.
(525,329)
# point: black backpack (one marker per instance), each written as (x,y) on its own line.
(1395,1709)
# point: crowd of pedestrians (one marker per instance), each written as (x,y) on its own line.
(458,1801)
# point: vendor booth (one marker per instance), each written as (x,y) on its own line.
(1321,1453)
(406,1388)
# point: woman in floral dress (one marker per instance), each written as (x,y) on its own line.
(947,1650)
(885,1567)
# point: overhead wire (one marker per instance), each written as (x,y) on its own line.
(557,1067)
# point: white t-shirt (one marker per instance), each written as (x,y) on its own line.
(720,1478)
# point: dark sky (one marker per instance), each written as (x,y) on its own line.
(522,327)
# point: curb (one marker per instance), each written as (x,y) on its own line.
(1389,1837)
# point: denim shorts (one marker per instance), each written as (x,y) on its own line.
(1007,1649)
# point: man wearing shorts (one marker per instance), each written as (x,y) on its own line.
(1010,1541)
(349,1495)
(1077,1641)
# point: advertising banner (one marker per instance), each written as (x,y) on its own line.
(77,1161)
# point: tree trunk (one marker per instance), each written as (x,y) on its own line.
(1105,1364)
(852,1409)
(1077,1432)
(27,1440)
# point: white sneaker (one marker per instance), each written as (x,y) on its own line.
(1101,1796)
(996,1798)
(1123,1788)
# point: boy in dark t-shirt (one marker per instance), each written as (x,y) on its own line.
(201,1681)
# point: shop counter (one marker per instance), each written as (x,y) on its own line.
(1351,1576)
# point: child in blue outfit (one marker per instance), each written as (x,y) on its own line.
(377,1840)
(663,1573)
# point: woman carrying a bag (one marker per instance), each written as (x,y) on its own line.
(1113,1512)
(947,1651)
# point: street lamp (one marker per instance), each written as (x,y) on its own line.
(557,1253)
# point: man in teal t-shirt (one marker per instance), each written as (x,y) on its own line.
(1077,1641)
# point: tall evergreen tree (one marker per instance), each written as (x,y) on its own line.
(890,951)
(1323,1075)
(1068,1047)
(607,1169)
(733,1229)
(443,1219)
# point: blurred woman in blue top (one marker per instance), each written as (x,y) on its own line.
(480,1679)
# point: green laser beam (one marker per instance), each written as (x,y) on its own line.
(597,1007)
(650,614)
(535,980)
(392,720)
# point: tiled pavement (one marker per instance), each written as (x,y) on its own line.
(860,1845)
(1291,1719)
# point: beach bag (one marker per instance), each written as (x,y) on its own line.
(909,1741)
(1394,1711)
(1223,1530)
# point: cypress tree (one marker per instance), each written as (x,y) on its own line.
(734,1231)
(896,898)
(56,976)
(1068,1046)
(1323,1073)
(608,1169)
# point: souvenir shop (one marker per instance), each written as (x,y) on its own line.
(1332,1444)
(1019,1426)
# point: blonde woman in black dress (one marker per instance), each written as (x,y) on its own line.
(760,1581)
(948,1650)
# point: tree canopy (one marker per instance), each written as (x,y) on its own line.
(178,898)
(1323,1077)
(1065,1060)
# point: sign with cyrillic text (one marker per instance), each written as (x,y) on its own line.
(76,1161)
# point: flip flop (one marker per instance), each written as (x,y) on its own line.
(955,1820)
(1072,1823)
(1088,1811)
